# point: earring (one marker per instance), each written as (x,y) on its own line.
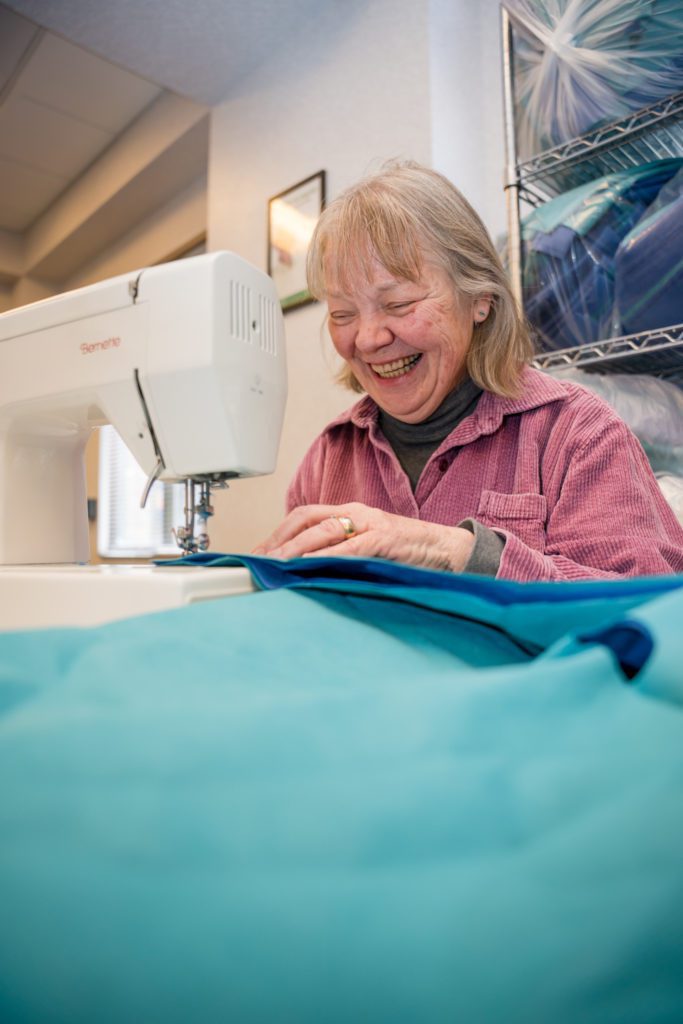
(481,314)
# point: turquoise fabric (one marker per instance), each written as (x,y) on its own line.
(363,795)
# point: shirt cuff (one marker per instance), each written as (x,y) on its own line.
(487,552)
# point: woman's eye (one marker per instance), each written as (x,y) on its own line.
(341,317)
(396,307)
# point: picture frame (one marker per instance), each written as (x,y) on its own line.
(292,216)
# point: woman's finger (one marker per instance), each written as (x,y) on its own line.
(330,532)
(299,519)
(353,548)
(307,517)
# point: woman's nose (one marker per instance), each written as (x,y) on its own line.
(372,334)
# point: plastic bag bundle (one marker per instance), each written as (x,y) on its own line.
(649,266)
(580,63)
(651,407)
(569,249)
(672,489)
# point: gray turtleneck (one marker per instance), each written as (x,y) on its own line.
(414,443)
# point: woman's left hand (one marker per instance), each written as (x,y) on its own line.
(364,532)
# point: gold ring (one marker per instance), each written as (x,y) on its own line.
(346,523)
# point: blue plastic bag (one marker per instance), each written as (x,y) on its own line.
(649,267)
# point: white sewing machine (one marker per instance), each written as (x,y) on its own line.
(187,361)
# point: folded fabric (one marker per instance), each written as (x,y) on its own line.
(499,603)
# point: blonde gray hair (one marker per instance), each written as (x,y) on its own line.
(408,214)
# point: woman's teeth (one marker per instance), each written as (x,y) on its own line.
(396,369)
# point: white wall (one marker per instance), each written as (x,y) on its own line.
(417,79)
(468,141)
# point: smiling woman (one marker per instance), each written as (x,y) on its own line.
(405,342)
(460,456)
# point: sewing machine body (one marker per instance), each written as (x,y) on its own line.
(185,359)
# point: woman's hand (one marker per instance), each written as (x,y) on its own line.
(364,532)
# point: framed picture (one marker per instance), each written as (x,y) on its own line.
(292,216)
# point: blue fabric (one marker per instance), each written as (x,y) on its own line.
(354,573)
(500,603)
(371,793)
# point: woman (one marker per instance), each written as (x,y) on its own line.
(461,456)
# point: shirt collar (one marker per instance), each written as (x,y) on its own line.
(537,389)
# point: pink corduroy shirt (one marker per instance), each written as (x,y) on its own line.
(555,472)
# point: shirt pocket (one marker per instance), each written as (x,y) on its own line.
(523,515)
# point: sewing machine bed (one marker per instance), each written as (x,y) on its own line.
(363,795)
(36,597)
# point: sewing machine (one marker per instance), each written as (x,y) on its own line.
(187,361)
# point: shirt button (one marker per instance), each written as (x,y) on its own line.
(443,465)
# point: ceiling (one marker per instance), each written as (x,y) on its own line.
(75,76)
(60,108)
(199,49)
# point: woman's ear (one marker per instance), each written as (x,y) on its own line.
(482,308)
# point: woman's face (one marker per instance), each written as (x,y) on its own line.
(405,342)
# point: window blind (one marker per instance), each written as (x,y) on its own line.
(124,530)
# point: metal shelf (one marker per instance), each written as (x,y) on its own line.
(653,133)
(658,352)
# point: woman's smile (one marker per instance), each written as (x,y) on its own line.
(396,368)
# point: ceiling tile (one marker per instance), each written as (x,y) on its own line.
(16,36)
(68,78)
(26,192)
(46,139)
